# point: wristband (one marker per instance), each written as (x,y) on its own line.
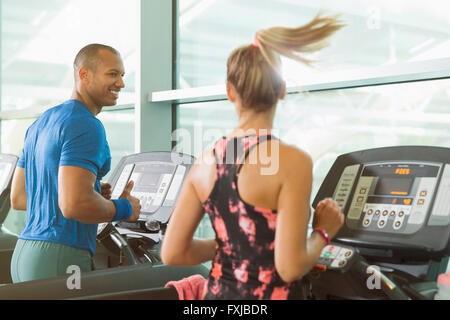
(324,235)
(123,209)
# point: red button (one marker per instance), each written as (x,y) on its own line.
(320,267)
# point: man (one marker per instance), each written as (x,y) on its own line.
(57,179)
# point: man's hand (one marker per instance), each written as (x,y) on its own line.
(135,203)
(106,190)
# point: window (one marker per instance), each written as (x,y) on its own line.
(330,123)
(39,41)
(324,123)
(377,33)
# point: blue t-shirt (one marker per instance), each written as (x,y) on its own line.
(66,135)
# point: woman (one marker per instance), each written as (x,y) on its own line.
(260,214)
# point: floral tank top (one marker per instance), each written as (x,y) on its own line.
(244,265)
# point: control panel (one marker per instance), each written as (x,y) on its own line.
(391,197)
(158,178)
(152,182)
(335,257)
(395,198)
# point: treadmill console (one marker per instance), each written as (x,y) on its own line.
(158,177)
(7,166)
(396,197)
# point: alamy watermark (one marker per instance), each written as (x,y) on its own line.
(74,280)
(374,280)
(198,140)
(373,21)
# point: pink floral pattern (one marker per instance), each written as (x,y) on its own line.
(244,265)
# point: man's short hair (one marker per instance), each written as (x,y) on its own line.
(88,56)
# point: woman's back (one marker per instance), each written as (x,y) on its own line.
(245,226)
(261,176)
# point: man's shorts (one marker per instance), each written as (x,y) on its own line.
(34,260)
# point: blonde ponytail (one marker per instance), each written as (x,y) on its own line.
(254,70)
(292,42)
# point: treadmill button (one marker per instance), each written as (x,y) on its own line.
(345,254)
(362,191)
(338,263)
(423,193)
(392,213)
(377,212)
(369,212)
(385,212)
(320,267)
(421,201)
(401,214)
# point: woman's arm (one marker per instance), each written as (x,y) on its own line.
(295,255)
(179,247)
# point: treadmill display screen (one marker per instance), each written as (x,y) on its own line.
(151,177)
(390,200)
(393,186)
(397,179)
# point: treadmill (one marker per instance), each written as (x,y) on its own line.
(395,239)
(7,241)
(127,261)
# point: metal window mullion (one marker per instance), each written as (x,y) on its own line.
(153,124)
(35,112)
(1,68)
(382,75)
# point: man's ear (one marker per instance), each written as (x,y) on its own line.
(231,92)
(83,74)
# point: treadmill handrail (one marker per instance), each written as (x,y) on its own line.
(393,291)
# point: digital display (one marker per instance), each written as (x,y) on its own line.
(149,177)
(397,179)
(402,171)
(397,186)
(149,180)
(390,200)
(396,170)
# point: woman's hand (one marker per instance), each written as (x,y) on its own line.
(328,216)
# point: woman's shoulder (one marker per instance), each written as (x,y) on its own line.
(204,161)
(293,161)
(290,153)
(205,158)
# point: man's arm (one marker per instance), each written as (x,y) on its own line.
(18,192)
(78,199)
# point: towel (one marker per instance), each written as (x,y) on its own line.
(190,288)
